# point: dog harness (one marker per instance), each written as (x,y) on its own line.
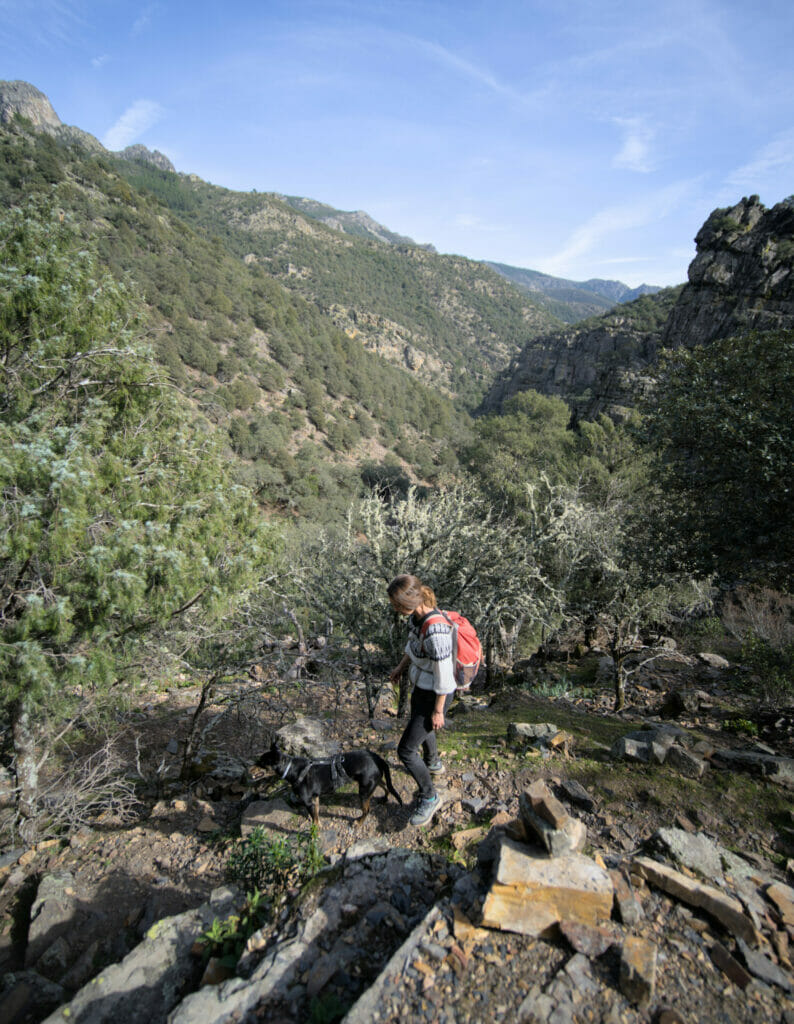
(336,763)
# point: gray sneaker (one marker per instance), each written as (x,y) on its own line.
(427,808)
(436,767)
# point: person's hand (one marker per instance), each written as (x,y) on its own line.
(395,676)
(437,720)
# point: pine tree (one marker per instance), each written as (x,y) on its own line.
(117,512)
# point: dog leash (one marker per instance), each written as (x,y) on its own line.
(289,765)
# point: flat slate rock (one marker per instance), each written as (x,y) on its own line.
(272,816)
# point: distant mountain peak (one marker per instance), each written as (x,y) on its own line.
(25,100)
(573,300)
(351,222)
(142,155)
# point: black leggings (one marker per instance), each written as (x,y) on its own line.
(420,733)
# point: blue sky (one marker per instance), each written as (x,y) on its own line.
(584,139)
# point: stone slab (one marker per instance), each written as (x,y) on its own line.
(725,909)
(782,897)
(638,970)
(541,801)
(272,816)
(571,838)
(684,761)
(530,730)
(531,893)
(694,850)
(729,966)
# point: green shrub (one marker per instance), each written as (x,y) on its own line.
(326,1009)
(226,939)
(773,665)
(708,628)
(741,726)
(272,863)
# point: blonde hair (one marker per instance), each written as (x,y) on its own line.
(410,592)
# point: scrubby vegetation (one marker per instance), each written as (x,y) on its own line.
(198,463)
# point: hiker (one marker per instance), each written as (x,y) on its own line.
(428,659)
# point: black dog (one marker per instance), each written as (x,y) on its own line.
(309,779)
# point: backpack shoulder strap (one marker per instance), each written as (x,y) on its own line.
(435,616)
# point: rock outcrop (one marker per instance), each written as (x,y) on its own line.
(21,99)
(25,100)
(140,154)
(742,278)
(600,365)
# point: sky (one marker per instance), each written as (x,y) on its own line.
(582,138)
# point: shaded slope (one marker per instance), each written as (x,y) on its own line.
(742,278)
(600,365)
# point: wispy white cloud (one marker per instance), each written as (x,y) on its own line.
(132,124)
(613,220)
(44,23)
(144,19)
(99,62)
(471,222)
(635,153)
(626,259)
(467,69)
(776,156)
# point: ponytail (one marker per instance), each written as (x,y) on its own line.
(410,592)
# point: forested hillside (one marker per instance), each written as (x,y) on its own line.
(450,321)
(308,409)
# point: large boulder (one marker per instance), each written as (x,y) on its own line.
(26,995)
(150,980)
(517,731)
(306,737)
(773,768)
(275,817)
(219,766)
(693,850)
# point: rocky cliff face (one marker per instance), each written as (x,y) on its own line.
(25,100)
(597,366)
(742,278)
(29,102)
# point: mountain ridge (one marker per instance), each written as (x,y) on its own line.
(568,301)
(584,298)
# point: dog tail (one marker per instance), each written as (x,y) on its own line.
(384,767)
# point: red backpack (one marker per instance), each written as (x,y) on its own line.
(466,646)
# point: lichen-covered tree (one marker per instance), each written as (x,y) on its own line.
(477,560)
(610,585)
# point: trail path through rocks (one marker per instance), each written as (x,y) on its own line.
(96,897)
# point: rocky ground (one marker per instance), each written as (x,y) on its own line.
(394,925)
